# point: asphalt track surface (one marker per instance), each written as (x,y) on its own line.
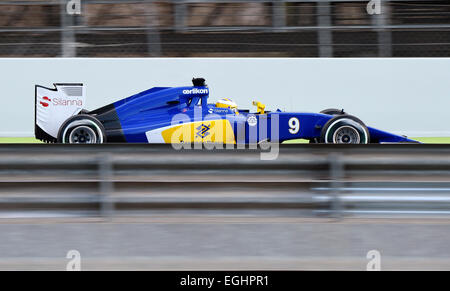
(225,243)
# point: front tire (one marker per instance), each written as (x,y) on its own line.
(345,129)
(82,129)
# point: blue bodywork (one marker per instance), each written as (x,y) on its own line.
(155,108)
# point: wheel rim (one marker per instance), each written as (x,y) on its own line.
(82,134)
(346,134)
(84,122)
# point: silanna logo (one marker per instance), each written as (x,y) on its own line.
(195,91)
(43,103)
(60,102)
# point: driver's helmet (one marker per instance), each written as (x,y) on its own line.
(227,103)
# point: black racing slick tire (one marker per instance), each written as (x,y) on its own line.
(82,129)
(333,111)
(345,129)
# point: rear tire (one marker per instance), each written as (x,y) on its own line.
(345,129)
(82,129)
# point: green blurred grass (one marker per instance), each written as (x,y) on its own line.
(19,140)
(432,139)
(33,140)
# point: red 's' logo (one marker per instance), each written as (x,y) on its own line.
(45,104)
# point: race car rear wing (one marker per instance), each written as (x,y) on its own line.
(55,105)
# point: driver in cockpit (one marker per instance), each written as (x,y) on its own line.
(227,103)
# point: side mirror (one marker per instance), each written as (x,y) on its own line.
(260,107)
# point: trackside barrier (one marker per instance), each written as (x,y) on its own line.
(305,180)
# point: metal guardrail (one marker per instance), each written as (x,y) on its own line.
(305,180)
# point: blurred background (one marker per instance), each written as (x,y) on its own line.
(224,28)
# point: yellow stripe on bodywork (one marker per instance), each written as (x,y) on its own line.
(216,131)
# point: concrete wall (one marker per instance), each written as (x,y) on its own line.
(407,96)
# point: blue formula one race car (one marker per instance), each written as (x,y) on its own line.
(183,115)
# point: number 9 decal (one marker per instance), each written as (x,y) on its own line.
(294,125)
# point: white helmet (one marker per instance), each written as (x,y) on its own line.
(227,103)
